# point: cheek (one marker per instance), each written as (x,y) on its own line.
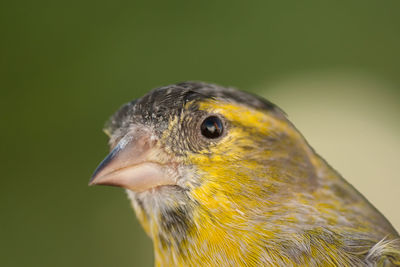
(230,148)
(236,144)
(184,135)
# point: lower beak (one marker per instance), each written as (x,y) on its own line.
(136,163)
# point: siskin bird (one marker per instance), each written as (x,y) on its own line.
(220,177)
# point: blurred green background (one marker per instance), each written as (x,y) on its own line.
(66,66)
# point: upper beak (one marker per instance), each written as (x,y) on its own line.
(136,163)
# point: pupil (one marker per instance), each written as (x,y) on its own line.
(211,127)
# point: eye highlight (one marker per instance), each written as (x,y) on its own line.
(212,127)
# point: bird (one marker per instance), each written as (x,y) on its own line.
(221,177)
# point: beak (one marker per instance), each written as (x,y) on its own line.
(136,163)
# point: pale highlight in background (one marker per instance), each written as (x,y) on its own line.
(353,122)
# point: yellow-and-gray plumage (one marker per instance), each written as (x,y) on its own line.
(220,177)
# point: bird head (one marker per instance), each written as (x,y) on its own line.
(191,149)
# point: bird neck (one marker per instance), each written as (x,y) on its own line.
(220,225)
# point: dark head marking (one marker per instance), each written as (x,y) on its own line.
(167,101)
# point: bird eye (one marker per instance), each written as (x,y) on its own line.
(212,127)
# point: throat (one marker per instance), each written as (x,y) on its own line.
(167,218)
